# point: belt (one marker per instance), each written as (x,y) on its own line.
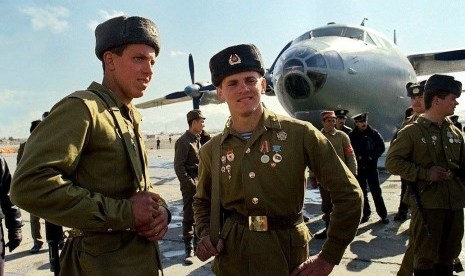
(266,223)
(74,233)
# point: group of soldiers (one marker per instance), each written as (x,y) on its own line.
(91,175)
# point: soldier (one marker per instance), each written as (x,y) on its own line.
(186,166)
(344,150)
(430,154)
(254,172)
(368,146)
(341,117)
(91,175)
(415,92)
(10,213)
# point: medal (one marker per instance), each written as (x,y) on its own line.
(265,148)
(277,157)
(230,155)
(451,140)
(228,168)
(223,159)
(265,159)
(282,135)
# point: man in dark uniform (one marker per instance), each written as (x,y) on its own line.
(341,117)
(186,166)
(94,170)
(10,213)
(368,146)
(254,172)
(430,153)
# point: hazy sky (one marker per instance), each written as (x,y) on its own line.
(47,47)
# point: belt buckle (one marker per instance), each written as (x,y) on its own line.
(449,175)
(74,233)
(258,223)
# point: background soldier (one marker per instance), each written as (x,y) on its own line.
(344,150)
(368,146)
(430,153)
(186,166)
(341,117)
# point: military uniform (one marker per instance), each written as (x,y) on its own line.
(410,155)
(186,162)
(264,176)
(76,164)
(368,146)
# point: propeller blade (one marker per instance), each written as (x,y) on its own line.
(196,103)
(191,67)
(175,95)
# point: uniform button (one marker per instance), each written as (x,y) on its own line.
(109,229)
(251,174)
(247,150)
(255,200)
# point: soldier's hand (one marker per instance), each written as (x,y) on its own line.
(144,206)
(14,239)
(437,173)
(158,229)
(315,266)
(206,249)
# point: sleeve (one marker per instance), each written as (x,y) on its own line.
(44,182)
(399,155)
(202,198)
(181,153)
(380,147)
(12,213)
(349,155)
(344,190)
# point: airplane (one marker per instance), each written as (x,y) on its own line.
(337,66)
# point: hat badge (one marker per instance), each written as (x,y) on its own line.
(416,91)
(152,31)
(234,59)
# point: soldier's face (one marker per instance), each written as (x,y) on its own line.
(448,104)
(362,125)
(340,122)
(418,104)
(242,92)
(130,73)
(198,125)
(329,124)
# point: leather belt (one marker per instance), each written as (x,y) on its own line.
(266,223)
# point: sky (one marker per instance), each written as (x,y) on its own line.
(47,47)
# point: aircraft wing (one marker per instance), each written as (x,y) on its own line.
(163,101)
(439,62)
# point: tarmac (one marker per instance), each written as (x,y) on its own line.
(377,249)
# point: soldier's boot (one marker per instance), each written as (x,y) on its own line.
(423,272)
(401,216)
(189,257)
(443,270)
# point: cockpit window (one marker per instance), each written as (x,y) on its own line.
(350,32)
(316,61)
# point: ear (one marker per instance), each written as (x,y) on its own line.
(108,59)
(263,84)
(219,93)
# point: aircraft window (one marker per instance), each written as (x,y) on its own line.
(368,39)
(334,60)
(336,31)
(354,33)
(316,61)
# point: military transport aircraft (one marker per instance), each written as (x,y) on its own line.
(337,67)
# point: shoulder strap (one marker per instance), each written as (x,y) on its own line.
(126,136)
(215,208)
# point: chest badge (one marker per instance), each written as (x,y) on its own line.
(277,157)
(281,135)
(265,148)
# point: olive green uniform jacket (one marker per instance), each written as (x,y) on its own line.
(251,187)
(343,148)
(75,172)
(411,156)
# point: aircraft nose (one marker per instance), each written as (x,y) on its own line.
(300,72)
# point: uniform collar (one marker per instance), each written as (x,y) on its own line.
(332,132)
(269,120)
(127,108)
(422,120)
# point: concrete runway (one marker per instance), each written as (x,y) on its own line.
(376,250)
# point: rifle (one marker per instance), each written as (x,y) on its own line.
(54,235)
(416,197)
